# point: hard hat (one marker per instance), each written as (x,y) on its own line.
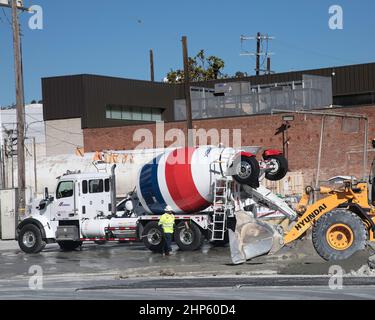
(168,209)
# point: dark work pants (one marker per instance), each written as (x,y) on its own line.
(167,242)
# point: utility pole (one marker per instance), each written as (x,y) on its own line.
(269,65)
(35,170)
(189,118)
(20,106)
(257,68)
(262,44)
(152,65)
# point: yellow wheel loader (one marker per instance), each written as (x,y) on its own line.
(342,221)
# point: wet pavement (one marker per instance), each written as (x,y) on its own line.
(126,271)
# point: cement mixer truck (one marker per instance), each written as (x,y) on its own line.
(203,185)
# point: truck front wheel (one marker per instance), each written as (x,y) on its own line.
(153,237)
(188,236)
(30,239)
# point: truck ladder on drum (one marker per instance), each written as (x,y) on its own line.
(221,206)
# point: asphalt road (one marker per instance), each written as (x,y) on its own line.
(129,271)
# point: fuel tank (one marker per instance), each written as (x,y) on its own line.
(182,178)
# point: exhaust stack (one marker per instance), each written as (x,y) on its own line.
(113,190)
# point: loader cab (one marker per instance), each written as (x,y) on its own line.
(82,195)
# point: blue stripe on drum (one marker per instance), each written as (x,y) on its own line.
(150,189)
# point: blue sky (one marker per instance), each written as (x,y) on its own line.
(113,37)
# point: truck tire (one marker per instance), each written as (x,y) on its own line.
(69,245)
(248,170)
(188,238)
(153,237)
(30,239)
(338,235)
(281,168)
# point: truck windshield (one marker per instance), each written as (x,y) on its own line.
(64,189)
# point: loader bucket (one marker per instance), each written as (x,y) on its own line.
(252,238)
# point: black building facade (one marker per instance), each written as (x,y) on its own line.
(102,101)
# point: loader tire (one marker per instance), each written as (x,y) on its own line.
(69,245)
(153,237)
(30,239)
(248,170)
(338,235)
(188,238)
(281,169)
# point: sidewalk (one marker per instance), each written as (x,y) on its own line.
(8,245)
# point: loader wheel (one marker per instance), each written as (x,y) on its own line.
(69,245)
(248,170)
(153,237)
(338,235)
(30,239)
(281,168)
(188,238)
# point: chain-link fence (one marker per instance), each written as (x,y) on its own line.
(241,99)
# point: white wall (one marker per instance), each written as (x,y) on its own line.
(63,136)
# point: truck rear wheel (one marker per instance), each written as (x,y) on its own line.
(188,236)
(153,236)
(69,245)
(30,239)
(338,235)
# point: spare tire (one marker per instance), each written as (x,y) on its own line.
(248,170)
(280,170)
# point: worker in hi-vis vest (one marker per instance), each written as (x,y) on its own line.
(167,223)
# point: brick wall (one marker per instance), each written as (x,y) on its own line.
(342,150)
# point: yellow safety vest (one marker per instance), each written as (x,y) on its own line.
(167,222)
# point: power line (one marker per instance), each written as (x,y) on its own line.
(52,127)
(262,45)
(6,16)
(311,51)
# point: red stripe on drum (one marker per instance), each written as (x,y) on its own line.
(180,181)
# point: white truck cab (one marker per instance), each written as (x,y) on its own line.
(83,208)
(82,195)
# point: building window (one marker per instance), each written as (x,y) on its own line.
(133,113)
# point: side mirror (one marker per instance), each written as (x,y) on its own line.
(46,194)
